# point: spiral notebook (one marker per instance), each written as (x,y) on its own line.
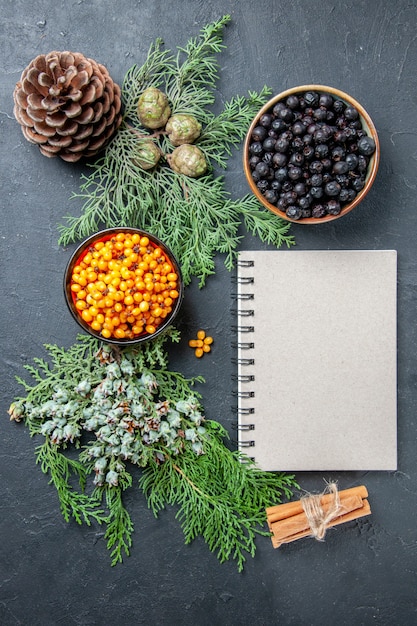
(317,359)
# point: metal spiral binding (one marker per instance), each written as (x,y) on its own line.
(246,313)
(243,378)
(242,410)
(247,444)
(244,296)
(243,362)
(245,280)
(243,345)
(246,427)
(244,394)
(241,329)
(247,410)
(244,263)
(243,426)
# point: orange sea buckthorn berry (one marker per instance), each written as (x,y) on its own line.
(202,344)
(86,315)
(124,286)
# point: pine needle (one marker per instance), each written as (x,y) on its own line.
(103,410)
(196,218)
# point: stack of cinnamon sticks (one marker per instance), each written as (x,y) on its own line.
(288,522)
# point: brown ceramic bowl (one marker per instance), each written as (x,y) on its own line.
(367,125)
(71,298)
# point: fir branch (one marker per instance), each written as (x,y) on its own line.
(79,506)
(119,525)
(175,385)
(151,73)
(152,354)
(265,224)
(220,496)
(190,86)
(196,218)
(146,415)
(227,129)
(63,370)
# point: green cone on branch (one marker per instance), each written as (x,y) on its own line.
(188,160)
(182,128)
(147,155)
(153,108)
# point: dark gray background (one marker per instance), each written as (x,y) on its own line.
(54,573)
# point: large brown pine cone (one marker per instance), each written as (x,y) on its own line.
(67,104)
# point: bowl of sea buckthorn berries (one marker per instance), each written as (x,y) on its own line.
(123,285)
(311,154)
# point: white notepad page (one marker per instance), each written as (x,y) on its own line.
(323,331)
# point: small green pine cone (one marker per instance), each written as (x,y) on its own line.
(182,128)
(153,108)
(188,160)
(147,155)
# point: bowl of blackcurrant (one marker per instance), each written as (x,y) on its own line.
(311,154)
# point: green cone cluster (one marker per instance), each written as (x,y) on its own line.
(154,113)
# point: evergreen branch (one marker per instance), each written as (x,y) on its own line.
(144,414)
(190,88)
(194,217)
(175,385)
(64,369)
(226,130)
(152,354)
(264,224)
(79,506)
(119,526)
(151,73)
(221,496)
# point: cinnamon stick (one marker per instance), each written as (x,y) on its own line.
(365,510)
(299,522)
(282,511)
(288,522)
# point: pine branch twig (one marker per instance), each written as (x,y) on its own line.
(136,412)
(196,218)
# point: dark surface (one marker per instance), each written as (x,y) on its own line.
(54,573)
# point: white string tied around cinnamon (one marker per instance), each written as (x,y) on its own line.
(318,517)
